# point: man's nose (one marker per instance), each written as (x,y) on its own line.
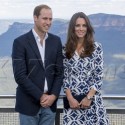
(48,21)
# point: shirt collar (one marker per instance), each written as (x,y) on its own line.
(37,38)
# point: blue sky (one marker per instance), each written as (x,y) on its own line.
(23,9)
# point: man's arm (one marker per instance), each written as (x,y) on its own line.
(58,80)
(20,71)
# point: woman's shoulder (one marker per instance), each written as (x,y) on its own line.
(98,46)
(63,50)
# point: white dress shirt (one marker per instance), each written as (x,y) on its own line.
(42,52)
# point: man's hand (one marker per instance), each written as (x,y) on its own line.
(47,100)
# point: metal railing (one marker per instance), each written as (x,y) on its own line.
(8,116)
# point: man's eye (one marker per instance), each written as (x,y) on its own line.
(47,19)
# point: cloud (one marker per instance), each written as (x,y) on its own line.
(61,8)
(119,56)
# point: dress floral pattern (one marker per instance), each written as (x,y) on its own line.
(80,75)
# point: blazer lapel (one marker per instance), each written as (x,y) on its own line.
(47,49)
(34,46)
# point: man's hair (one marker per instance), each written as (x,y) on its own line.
(38,8)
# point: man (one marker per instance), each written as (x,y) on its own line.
(37,66)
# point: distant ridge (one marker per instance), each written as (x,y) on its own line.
(102,19)
(109,31)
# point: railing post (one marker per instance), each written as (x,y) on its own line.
(57,119)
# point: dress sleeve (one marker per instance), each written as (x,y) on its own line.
(66,84)
(98,72)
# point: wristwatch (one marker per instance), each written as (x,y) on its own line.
(89,97)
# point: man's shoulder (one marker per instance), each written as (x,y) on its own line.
(54,39)
(23,36)
(53,35)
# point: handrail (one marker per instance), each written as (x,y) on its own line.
(116,118)
(8,96)
(113,97)
(107,96)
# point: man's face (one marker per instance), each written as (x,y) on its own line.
(44,20)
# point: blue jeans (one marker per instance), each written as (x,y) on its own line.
(44,117)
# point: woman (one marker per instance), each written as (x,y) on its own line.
(83,74)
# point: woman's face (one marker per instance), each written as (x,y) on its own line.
(80,28)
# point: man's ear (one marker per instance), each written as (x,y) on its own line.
(35,18)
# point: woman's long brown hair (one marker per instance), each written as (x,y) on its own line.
(72,39)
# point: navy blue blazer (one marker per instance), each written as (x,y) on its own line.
(29,72)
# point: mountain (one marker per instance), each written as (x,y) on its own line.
(102,19)
(6,39)
(109,31)
(17,29)
(4,25)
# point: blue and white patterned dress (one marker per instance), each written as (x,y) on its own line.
(80,75)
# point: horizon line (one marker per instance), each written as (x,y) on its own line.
(59,17)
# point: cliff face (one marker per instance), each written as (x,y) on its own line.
(109,29)
(107,20)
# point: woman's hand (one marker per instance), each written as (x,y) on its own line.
(85,103)
(74,104)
